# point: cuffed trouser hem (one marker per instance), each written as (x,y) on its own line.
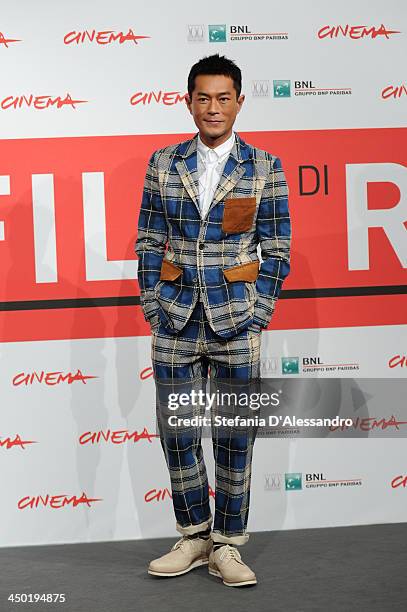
(236,540)
(191,529)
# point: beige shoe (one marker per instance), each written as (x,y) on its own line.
(185,555)
(226,563)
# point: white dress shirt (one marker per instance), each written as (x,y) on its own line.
(211,163)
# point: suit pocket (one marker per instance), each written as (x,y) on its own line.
(169,271)
(243,272)
(238,215)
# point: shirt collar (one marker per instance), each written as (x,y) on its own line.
(220,150)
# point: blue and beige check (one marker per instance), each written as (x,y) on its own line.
(206,295)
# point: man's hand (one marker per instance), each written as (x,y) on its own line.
(152,236)
(274,233)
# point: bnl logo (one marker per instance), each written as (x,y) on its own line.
(217,33)
(290,365)
(293,482)
(282,89)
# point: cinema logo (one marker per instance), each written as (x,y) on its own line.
(398,361)
(158,495)
(120,436)
(56,502)
(282,89)
(50,378)
(166,98)
(355,31)
(394,91)
(370,424)
(39,102)
(146,373)
(102,37)
(8,443)
(399,481)
(5,41)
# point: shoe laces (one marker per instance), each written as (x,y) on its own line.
(181,542)
(231,552)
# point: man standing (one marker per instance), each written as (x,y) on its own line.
(207,204)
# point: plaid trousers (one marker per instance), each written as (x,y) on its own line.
(184,357)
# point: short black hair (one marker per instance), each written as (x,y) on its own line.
(216,64)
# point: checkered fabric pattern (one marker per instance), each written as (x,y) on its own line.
(182,361)
(171,229)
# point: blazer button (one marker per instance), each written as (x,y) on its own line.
(201,245)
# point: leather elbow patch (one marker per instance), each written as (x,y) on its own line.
(243,272)
(169,271)
(238,215)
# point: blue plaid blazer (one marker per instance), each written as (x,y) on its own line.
(181,254)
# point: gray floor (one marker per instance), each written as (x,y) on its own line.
(346,568)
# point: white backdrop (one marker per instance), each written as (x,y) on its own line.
(70,186)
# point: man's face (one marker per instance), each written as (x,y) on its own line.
(214,107)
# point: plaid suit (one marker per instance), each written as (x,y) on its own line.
(218,253)
(201,289)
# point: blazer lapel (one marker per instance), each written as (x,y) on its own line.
(232,172)
(188,169)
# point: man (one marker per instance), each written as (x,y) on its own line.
(210,200)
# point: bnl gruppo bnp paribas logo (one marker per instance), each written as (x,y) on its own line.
(293,481)
(282,88)
(290,365)
(217,33)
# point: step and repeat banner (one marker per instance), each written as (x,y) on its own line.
(88,92)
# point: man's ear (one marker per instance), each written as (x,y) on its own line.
(188,102)
(240,101)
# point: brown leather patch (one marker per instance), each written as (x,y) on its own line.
(243,272)
(238,214)
(169,271)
